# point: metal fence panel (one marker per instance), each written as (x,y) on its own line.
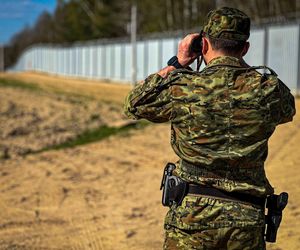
(140,59)
(128,57)
(102,63)
(283,51)
(153,56)
(107,52)
(168,49)
(255,55)
(91,64)
(275,46)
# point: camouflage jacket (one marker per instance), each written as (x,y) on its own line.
(221,120)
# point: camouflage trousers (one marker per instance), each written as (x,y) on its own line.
(206,223)
(227,238)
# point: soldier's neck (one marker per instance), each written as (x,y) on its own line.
(216,53)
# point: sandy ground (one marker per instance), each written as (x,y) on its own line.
(106,196)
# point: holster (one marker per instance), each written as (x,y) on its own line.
(275,205)
(174,188)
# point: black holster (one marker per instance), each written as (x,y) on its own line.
(174,188)
(275,205)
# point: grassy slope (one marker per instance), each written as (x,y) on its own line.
(83,91)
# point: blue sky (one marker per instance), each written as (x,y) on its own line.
(15,14)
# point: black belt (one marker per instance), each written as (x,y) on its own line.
(214,192)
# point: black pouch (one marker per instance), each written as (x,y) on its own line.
(174,188)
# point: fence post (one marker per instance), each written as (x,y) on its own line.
(266,45)
(112,61)
(103,62)
(146,59)
(90,64)
(95,55)
(133,44)
(122,58)
(160,54)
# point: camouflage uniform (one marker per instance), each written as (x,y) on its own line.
(221,120)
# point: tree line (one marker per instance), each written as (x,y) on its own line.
(81,20)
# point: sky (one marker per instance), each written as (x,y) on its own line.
(16,14)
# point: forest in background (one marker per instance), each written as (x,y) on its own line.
(82,20)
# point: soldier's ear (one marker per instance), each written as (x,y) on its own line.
(205,45)
(246,48)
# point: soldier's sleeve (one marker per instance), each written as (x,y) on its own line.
(151,100)
(287,103)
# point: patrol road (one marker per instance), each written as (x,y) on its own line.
(101,195)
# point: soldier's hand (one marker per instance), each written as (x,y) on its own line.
(185,55)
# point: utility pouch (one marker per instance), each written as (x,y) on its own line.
(275,205)
(174,188)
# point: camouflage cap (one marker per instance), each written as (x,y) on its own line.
(227,23)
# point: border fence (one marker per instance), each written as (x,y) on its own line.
(276,46)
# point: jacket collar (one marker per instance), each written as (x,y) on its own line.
(225,60)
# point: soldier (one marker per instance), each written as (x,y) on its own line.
(221,120)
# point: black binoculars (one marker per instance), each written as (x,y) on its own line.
(196,45)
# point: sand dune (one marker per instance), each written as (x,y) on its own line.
(105,195)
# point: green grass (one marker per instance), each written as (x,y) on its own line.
(98,134)
(10,83)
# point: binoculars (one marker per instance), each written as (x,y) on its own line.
(196,45)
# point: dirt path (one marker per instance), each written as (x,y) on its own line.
(106,195)
(283,171)
(99,196)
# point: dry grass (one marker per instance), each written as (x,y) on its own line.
(98,89)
